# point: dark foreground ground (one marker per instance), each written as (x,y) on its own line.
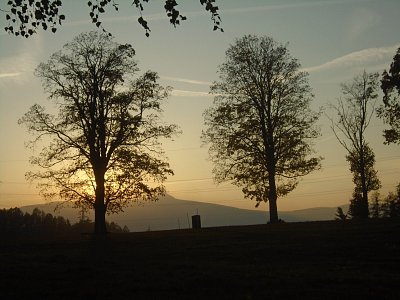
(317,260)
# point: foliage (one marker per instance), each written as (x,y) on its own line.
(354,112)
(372,181)
(340,215)
(14,221)
(260,126)
(375,206)
(87,226)
(388,207)
(390,110)
(357,206)
(104,148)
(391,204)
(25,17)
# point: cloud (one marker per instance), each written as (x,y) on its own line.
(298,4)
(162,16)
(370,56)
(182,93)
(4,75)
(19,67)
(185,80)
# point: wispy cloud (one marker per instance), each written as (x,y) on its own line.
(18,68)
(182,93)
(5,75)
(297,4)
(185,80)
(162,16)
(365,57)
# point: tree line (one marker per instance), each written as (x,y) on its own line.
(104,147)
(379,207)
(15,222)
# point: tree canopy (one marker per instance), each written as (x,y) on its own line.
(25,17)
(103,145)
(390,110)
(260,127)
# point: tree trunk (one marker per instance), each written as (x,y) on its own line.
(100,208)
(364,211)
(273,211)
(272,198)
(99,219)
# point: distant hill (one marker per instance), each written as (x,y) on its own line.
(172,213)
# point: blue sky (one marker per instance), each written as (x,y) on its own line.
(334,40)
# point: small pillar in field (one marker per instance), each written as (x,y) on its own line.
(196,222)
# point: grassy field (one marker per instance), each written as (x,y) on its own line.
(316,260)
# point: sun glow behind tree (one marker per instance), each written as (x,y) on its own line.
(104,142)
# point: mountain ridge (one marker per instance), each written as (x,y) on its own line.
(172,213)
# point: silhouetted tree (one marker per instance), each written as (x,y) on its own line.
(14,221)
(340,215)
(375,207)
(260,126)
(25,17)
(125,229)
(354,112)
(104,143)
(372,181)
(391,205)
(390,110)
(357,206)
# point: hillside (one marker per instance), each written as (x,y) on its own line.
(309,260)
(172,213)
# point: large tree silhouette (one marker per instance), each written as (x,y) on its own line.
(103,148)
(390,110)
(260,126)
(25,17)
(354,112)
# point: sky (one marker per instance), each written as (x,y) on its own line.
(334,40)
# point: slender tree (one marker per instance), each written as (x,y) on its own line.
(103,145)
(26,17)
(354,112)
(260,127)
(390,110)
(340,215)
